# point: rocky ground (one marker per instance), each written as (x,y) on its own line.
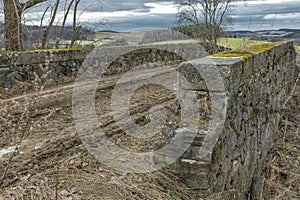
(52,163)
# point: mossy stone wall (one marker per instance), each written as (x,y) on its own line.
(22,66)
(257,83)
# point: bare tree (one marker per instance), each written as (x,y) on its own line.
(13,10)
(58,38)
(76,29)
(49,27)
(213,14)
(41,24)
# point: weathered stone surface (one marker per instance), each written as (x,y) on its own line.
(255,88)
(196,74)
(66,62)
(22,66)
(3,72)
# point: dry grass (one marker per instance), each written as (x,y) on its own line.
(81,177)
(282,169)
(55,165)
(61,168)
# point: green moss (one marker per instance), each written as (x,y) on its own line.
(67,103)
(46,50)
(246,64)
(246,53)
(245,56)
(39,114)
(57,50)
(257,49)
(297,49)
(237,43)
(203,122)
(91,161)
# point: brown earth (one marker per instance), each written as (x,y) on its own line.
(52,163)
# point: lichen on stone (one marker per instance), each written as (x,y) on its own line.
(257,49)
(231,54)
(246,53)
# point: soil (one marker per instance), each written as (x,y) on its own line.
(51,162)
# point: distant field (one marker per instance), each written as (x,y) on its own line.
(298,49)
(83,42)
(104,36)
(174,42)
(236,43)
(232,43)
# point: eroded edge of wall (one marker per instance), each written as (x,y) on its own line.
(257,82)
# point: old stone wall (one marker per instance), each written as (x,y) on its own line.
(21,66)
(256,83)
(240,97)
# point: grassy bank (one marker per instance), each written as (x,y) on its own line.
(298,50)
(236,43)
(107,37)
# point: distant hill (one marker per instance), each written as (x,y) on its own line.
(108,31)
(269,35)
(36,32)
(33,33)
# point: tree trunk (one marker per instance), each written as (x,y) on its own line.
(76,29)
(12,25)
(13,10)
(49,27)
(63,25)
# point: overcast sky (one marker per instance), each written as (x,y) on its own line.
(140,15)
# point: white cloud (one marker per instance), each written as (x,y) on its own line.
(283,16)
(161,13)
(162,8)
(158,8)
(260,2)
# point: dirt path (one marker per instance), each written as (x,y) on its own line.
(52,160)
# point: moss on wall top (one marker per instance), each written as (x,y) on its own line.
(62,50)
(246,53)
(14,58)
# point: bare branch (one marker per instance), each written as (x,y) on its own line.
(30,4)
(41,25)
(76,29)
(213,14)
(49,27)
(63,24)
